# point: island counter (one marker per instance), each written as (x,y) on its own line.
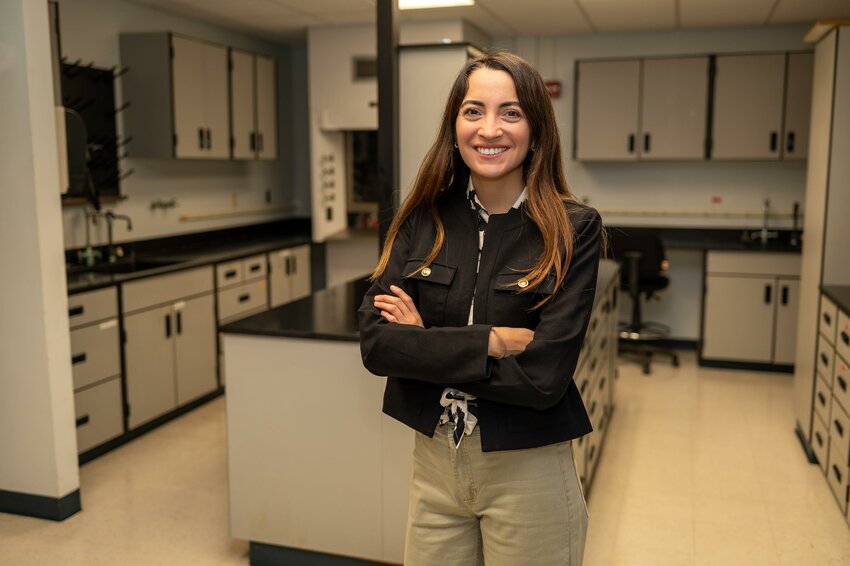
(318,474)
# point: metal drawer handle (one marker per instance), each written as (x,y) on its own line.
(592,452)
(255,268)
(842,383)
(838,427)
(76,311)
(78,359)
(593,407)
(819,438)
(837,472)
(243,298)
(822,398)
(229,274)
(845,337)
(824,359)
(602,384)
(82,421)
(827,319)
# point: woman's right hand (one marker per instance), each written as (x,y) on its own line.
(508,341)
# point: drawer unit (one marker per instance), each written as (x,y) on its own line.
(227,274)
(839,429)
(152,291)
(254,267)
(828,318)
(836,474)
(842,337)
(242,300)
(824,359)
(823,398)
(98,413)
(841,383)
(820,443)
(95,352)
(93,306)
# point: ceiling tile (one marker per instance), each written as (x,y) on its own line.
(723,13)
(538,17)
(809,11)
(624,15)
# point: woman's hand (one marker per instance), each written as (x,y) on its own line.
(508,341)
(398,307)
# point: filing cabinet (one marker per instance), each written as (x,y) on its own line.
(96,367)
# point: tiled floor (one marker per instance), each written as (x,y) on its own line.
(701,467)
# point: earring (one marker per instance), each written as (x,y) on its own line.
(532,148)
(455,144)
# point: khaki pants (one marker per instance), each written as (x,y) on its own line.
(506,508)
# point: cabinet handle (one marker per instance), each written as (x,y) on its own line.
(842,383)
(774,139)
(76,311)
(245,297)
(78,359)
(168,326)
(255,268)
(179,322)
(819,438)
(253,141)
(82,421)
(824,359)
(229,274)
(768,291)
(838,427)
(646,142)
(287,267)
(591,453)
(827,319)
(822,398)
(785,294)
(602,384)
(373,104)
(631,143)
(845,337)
(789,146)
(200,138)
(837,473)
(593,407)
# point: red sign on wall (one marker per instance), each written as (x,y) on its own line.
(554,88)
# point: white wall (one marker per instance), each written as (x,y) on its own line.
(668,187)
(90,30)
(38,448)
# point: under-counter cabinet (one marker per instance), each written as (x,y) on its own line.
(96,366)
(641,109)
(178,97)
(751,106)
(750,308)
(241,288)
(253,105)
(170,342)
(289,275)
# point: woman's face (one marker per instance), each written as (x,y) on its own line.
(493,135)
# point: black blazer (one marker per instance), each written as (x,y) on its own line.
(523,401)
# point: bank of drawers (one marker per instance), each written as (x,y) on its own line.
(96,363)
(242,288)
(831,423)
(594,379)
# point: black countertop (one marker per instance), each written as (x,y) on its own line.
(839,294)
(719,239)
(196,250)
(331,314)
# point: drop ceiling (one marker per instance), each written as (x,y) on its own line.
(287,20)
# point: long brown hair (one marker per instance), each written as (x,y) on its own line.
(543,171)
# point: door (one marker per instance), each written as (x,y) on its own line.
(798,106)
(748,95)
(280,290)
(195,348)
(300,273)
(242,103)
(216,102)
(266,108)
(738,318)
(674,108)
(787,304)
(607,110)
(187,71)
(150,364)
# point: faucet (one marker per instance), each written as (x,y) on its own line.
(110,218)
(764,234)
(89,254)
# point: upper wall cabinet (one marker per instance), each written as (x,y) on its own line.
(649,109)
(253,88)
(754,97)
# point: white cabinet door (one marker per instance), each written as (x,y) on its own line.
(195,348)
(280,267)
(798,106)
(187,68)
(787,304)
(607,115)
(748,108)
(300,272)
(242,103)
(216,117)
(266,85)
(149,354)
(738,320)
(674,108)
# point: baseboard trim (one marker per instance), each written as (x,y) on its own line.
(810,454)
(40,506)
(263,554)
(752,366)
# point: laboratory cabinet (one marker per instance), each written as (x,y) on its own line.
(750,308)
(647,109)
(96,367)
(253,105)
(761,106)
(241,288)
(289,275)
(170,342)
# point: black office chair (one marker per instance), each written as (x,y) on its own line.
(642,263)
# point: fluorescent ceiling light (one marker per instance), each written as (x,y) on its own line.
(420,4)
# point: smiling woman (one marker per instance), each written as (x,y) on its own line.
(477,314)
